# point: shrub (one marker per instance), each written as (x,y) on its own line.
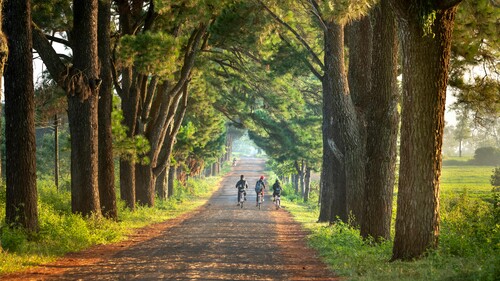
(13,239)
(469,226)
(486,156)
(495,178)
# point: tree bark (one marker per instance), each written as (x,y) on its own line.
(301,178)
(56,151)
(382,126)
(425,75)
(82,86)
(334,143)
(170,180)
(307,184)
(162,185)
(359,42)
(21,193)
(145,185)
(107,194)
(330,176)
(295,179)
(127,183)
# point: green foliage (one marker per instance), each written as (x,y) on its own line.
(489,156)
(53,15)
(343,12)
(152,53)
(474,62)
(202,136)
(469,225)
(45,153)
(133,149)
(495,178)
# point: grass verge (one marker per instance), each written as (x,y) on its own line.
(469,236)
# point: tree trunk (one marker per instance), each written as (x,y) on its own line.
(161,186)
(107,192)
(425,76)
(295,178)
(359,42)
(382,127)
(4,52)
(127,183)
(307,184)
(328,171)
(301,178)
(56,151)
(130,104)
(145,185)
(20,146)
(342,108)
(170,180)
(82,86)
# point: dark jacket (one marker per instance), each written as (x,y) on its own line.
(241,185)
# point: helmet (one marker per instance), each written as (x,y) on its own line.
(261,177)
(242,176)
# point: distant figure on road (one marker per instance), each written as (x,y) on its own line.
(259,188)
(234,161)
(276,189)
(241,185)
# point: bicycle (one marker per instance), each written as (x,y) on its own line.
(260,199)
(242,198)
(277,201)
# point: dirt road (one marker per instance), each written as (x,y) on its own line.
(219,241)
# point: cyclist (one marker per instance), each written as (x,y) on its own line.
(276,189)
(241,185)
(259,188)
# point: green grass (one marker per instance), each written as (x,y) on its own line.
(475,180)
(469,237)
(62,232)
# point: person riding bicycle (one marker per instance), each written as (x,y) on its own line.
(241,185)
(259,189)
(276,189)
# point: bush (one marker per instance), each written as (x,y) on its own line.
(495,178)
(486,156)
(469,226)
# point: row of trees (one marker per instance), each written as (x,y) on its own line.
(309,29)
(278,69)
(359,98)
(133,49)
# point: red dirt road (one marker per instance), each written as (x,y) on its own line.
(219,241)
